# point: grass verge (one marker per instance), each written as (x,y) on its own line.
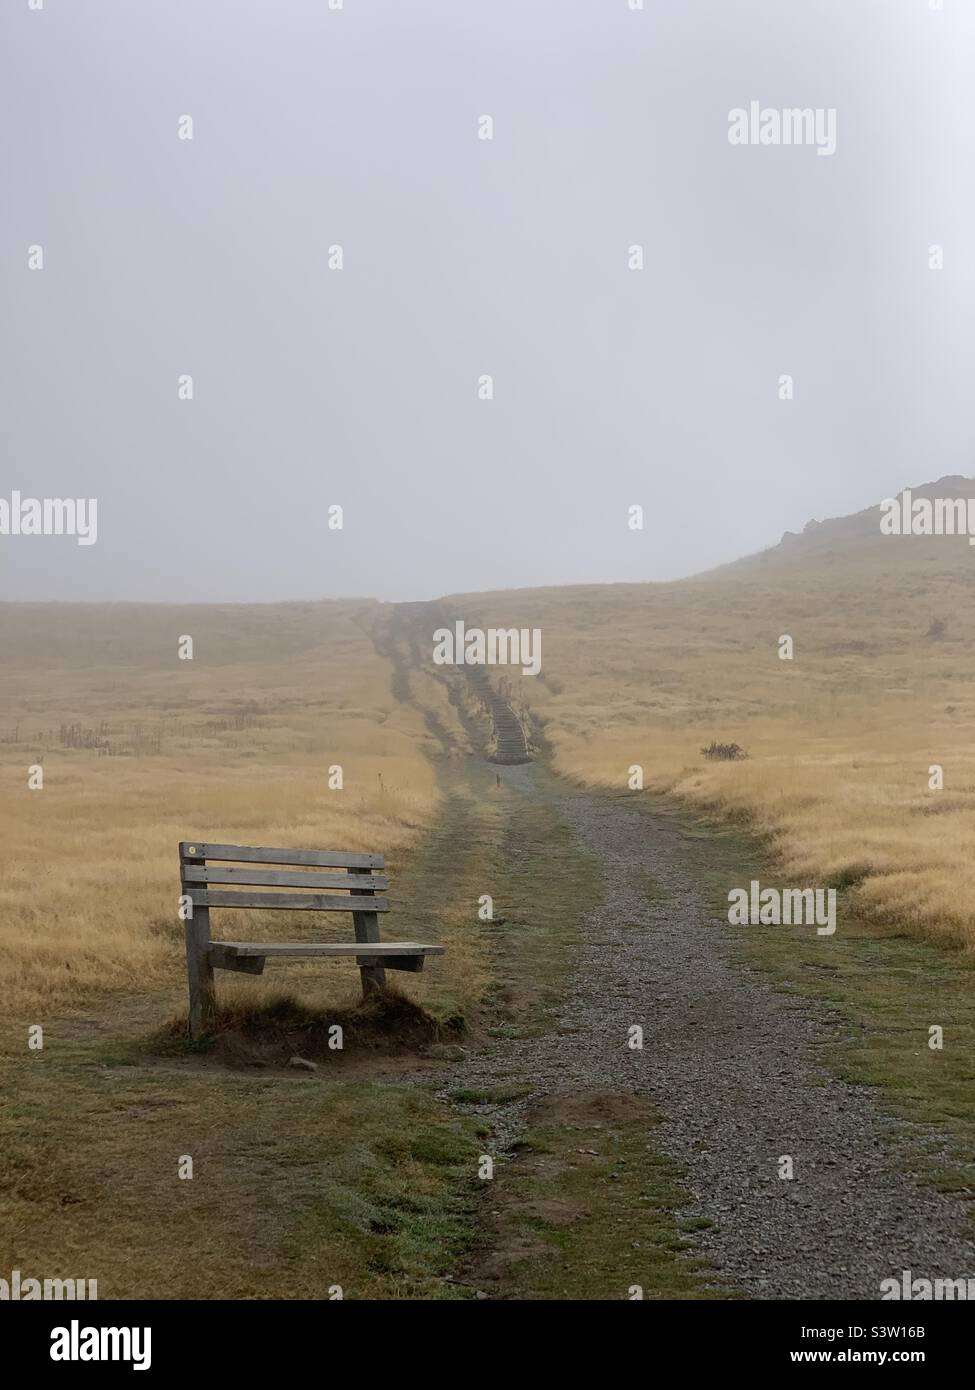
(587,1209)
(297,1187)
(889,989)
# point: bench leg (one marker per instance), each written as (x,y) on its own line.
(199,972)
(366,926)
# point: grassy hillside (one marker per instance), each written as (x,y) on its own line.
(349,1177)
(840,739)
(140,749)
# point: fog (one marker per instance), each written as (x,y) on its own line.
(462,257)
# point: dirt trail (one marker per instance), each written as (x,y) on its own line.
(735,1068)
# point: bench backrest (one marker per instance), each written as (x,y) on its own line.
(237,867)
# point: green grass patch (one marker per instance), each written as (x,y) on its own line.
(488,1095)
(588,1210)
(296,1187)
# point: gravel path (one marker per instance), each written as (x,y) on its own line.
(733,1069)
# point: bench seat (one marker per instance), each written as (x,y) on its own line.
(239,870)
(248,957)
(325,948)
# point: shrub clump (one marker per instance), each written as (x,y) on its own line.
(724,752)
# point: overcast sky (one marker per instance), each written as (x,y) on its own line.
(358,387)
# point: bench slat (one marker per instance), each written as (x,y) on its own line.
(324,948)
(282,878)
(292,902)
(253,854)
(226,960)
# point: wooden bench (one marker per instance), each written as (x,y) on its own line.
(207,881)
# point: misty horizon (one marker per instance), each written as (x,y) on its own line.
(488,588)
(280,261)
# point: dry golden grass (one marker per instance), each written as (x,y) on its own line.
(840,738)
(140,749)
(236,744)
